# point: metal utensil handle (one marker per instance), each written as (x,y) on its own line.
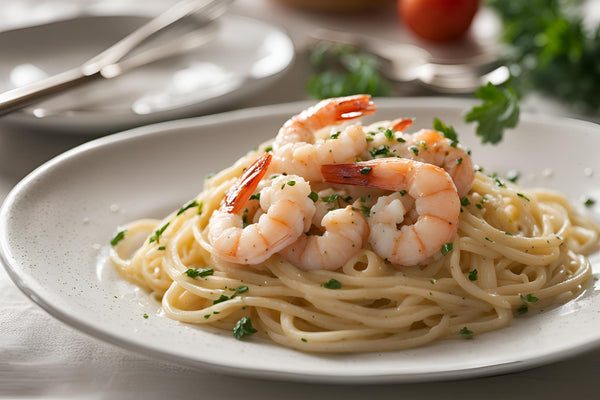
(20,97)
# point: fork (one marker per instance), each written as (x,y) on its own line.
(124,55)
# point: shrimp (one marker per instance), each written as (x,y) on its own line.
(431,147)
(287,213)
(302,127)
(436,202)
(297,150)
(346,232)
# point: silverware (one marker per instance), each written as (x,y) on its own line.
(146,44)
(404,62)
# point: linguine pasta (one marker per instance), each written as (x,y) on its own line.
(517,250)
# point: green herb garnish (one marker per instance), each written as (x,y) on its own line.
(447,248)
(332,284)
(243,328)
(473,275)
(199,272)
(187,206)
(118,237)
(158,232)
(499,111)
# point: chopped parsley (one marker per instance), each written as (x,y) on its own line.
(365,210)
(465,201)
(529,298)
(499,183)
(389,134)
(268,149)
(459,161)
(466,333)
(243,328)
(313,196)
(447,130)
(335,196)
(381,151)
(187,206)
(521,195)
(145,316)
(365,170)
(414,150)
(447,248)
(199,272)
(221,299)
(332,284)
(118,237)
(255,196)
(335,135)
(589,202)
(473,275)
(161,247)
(157,233)
(304,340)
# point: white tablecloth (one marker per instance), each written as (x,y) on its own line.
(42,358)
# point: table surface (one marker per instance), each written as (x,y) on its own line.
(42,358)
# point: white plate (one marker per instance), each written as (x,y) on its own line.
(53,222)
(245,57)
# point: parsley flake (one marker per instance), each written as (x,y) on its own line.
(466,333)
(187,206)
(313,196)
(589,202)
(157,233)
(243,328)
(447,248)
(447,130)
(118,237)
(255,196)
(332,284)
(523,196)
(389,134)
(365,170)
(473,275)
(221,299)
(199,272)
(335,135)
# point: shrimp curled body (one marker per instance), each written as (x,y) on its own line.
(436,203)
(297,150)
(346,232)
(288,212)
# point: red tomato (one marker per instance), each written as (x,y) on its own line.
(438,20)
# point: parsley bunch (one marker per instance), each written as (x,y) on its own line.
(550,50)
(342,70)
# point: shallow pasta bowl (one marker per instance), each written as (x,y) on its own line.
(55,228)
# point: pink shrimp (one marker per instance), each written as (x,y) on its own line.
(298,150)
(431,147)
(288,212)
(436,202)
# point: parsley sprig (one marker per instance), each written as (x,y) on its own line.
(499,111)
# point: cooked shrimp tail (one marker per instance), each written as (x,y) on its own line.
(240,193)
(301,127)
(286,212)
(401,124)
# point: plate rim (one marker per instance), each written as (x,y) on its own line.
(22,280)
